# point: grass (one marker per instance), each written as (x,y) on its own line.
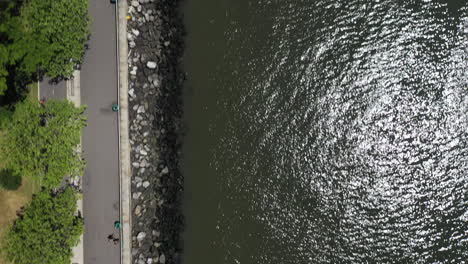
(12,200)
(33,92)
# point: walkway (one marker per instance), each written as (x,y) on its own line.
(49,90)
(100,137)
(97,84)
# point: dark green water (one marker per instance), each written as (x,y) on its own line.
(326,131)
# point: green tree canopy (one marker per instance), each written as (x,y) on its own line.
(5,117)
(46,231)
(41,140)
(48,35)
(59,30)
(3,70)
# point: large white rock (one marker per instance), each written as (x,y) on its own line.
(151,65)
(131,92)
(162,259)
(156,83)
(146,184)
(136,195)
(141,236)
(134,70)
(138,210)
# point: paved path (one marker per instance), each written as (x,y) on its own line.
(100,137)
(52,91)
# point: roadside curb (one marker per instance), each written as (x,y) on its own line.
(124,144)
(73,89)
(74,96)
(38,90)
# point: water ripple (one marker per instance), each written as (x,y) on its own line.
(345,133)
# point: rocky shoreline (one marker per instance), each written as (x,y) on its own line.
(155,37)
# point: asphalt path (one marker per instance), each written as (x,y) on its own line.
(100,137)
(49,90)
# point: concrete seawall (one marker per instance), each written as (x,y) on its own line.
(124,145)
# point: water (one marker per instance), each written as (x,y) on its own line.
(326,131)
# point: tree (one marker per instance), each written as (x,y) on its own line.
(4,55)
(5,117)
(9,180)
(49,36)
(9,26)
(3,70)
(46,230)
(41,140)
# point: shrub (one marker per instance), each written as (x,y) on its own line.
(9,180)
(41,139)
(5,117)
(46,230)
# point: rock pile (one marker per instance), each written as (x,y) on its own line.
(155,92)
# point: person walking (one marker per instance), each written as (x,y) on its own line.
(110,238)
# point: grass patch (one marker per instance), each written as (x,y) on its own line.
(12,200)
(33,94)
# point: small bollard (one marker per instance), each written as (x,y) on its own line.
(115,107)
(129,17)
